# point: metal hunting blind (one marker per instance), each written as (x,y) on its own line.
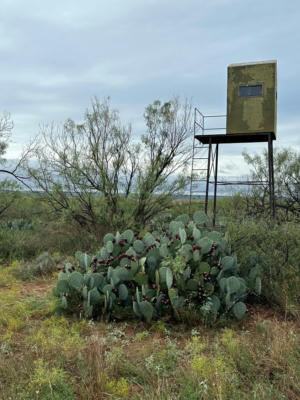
(251,117)
(252,98)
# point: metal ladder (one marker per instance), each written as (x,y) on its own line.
(203,159)
(200,159)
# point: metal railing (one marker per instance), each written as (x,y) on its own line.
(201,122)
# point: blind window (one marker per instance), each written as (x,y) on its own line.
(250,90)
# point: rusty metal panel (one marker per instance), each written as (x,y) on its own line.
(252,98)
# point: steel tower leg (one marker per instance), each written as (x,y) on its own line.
(271,175)
(208,176)
(215,183)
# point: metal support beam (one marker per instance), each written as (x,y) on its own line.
(216,183)
(208,176)
(271,175)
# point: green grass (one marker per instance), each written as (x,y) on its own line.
(47,357)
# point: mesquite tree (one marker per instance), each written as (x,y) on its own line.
(166,154)
(13,174)
(286,177)
(6,127)
(95,171)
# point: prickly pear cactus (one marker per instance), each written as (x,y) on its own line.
(185,266)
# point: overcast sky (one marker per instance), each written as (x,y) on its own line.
(56,55)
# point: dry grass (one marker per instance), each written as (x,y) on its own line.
(257,358)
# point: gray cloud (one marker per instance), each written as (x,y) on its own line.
(57,55)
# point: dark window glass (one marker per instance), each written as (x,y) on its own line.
(250,90)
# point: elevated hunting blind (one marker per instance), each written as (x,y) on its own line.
(251,117)
(252,98)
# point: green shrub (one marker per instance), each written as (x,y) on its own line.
(276,248)
(18,244)
(43,265)
(49,383)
